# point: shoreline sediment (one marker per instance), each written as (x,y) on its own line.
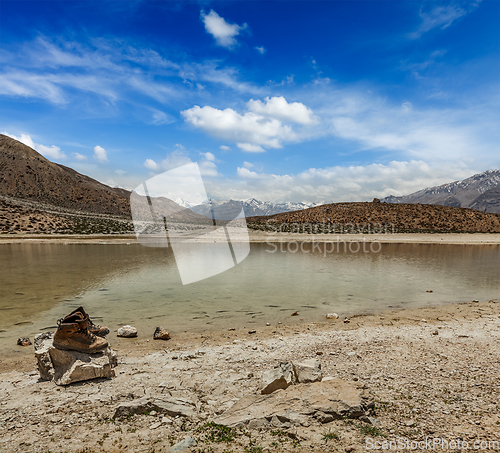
(433,372)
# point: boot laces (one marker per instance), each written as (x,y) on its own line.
(95,326)
(85,332)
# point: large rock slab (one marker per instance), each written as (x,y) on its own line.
(300,403)
(308,371)
(66,367)
(280,377)
(169,405)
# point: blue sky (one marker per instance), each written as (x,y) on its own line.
(277,100)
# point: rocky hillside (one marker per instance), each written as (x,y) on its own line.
(481,192)
(39,196)
(27,175)
(380,217)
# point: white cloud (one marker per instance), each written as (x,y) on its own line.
(225,148)
(79,157)
(50,152)
(442,17)
(177,158)
(250,148)
(100,154)
(245,173)
(150,164)
(261,50)
(160,117)
(278,107)
(208,168)
(251,131)
(111,70)
(248,164)
(335,184)
(208,156)
(223,32)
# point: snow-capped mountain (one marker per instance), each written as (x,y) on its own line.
(228,209)
(481,192)
(183,203)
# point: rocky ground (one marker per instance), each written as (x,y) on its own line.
(433,373)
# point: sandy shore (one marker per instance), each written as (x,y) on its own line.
(433,373)
(257,236)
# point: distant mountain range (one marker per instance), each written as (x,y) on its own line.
(480,192)
(40,196)
(225,210)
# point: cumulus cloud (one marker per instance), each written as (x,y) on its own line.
(208,156)
(50,152)
(253,131)
(150,164)
(245,173)
(178,158)
(261,50)
(278,107)
(223,32)
(100,154)
(334,184)
(225,148)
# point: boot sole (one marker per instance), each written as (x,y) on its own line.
(85,351)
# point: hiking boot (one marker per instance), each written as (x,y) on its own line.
(72,334)
(96,329)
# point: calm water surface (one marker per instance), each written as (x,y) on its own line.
(132,284)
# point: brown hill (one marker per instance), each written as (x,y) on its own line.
(27,175)
(380,217)
(37,195)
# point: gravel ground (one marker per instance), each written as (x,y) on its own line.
(433,373)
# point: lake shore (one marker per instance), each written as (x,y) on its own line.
(259,236)
(433,372)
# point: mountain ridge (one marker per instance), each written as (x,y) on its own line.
(480,192)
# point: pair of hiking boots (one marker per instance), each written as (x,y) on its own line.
(78,333)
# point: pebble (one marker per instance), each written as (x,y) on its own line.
(155,425)
(252,331)
(435,332)
(24,341)
(161,334)
(166,420)
(268,323)
(410,423)
(332,316)
(153,413)
(127,332)
(295,313)
(347,320)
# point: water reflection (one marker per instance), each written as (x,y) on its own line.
(131,284)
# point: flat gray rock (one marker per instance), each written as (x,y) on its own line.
(298,403)
(280,377)
(169,405)
(65,367)
(308,371)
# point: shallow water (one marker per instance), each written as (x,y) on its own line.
(132,284)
